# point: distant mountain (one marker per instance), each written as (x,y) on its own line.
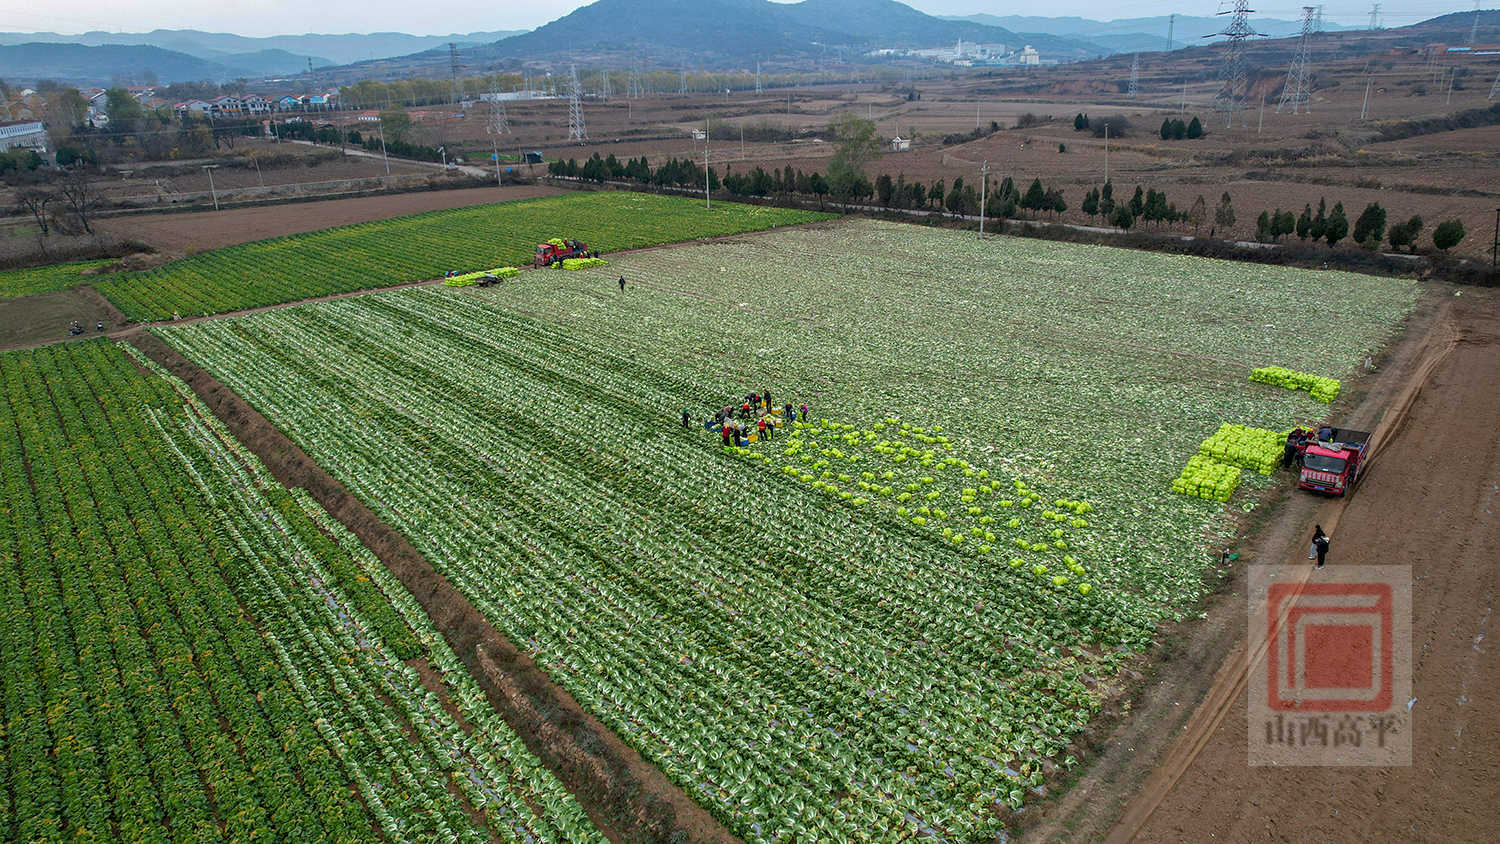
(740,32)
(80,65)
(337,49)
(1126,35)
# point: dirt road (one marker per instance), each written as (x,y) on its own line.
(1429,501)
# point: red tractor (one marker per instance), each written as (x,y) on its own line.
(549,253)
(1333,462)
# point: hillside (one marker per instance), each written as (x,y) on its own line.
(80,65)
(744,31)
(340,49)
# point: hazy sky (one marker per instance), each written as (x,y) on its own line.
(281,17)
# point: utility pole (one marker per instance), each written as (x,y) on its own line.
(976,116)
(758,89)
(1452,72)
(1182,109)
(380,127)
(214,193)
(1171,25)
(984,192)
(1474,27)
(1106,153)
(1495,249)
(1365,108)
(1495,87)
(1375,16)
(1261,122)
(708,201)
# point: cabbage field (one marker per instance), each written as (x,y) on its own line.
(894,620)
(422,246)
(192,652)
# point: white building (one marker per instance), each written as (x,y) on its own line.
(1028,56)
(900,144)
(30,134)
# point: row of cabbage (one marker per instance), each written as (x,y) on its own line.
(764,644)
(421,246)
(1322,388)
(195,653)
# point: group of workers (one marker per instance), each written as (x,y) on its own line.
(1298,439)
(76,328)
(754,418)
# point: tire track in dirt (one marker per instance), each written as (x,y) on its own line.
(628,798)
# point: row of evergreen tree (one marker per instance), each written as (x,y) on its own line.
(1369,230)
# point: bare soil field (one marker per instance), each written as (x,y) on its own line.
(45,317)
(1266,159)
(201,230)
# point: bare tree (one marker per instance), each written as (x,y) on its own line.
(34,200)
(80,194)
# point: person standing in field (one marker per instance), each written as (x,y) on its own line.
(804,411)
(761,427)
(622,284)
(1321,545)
(686,419)
(787,415)
(766,397)
(724,432)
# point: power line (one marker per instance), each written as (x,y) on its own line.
(1135,76)
(1474,27)
(1495,87)
(1171,25)
(1375,16)
(1294,92)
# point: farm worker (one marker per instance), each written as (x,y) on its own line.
(804,411)
(622,284)
(1321,543)
(686,418)
(1289,451)
(745,410)
(761,425)
(766,396)
(786,415)
(1325,434)
(176,316)
(725,433)
(1312,549)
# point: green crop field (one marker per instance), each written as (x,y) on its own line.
(194,653)
(17,283)
(890,621)
(422,246)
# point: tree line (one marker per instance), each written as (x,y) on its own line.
(1369,229)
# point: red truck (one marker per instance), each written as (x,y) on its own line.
(1333,464)
(548,254)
